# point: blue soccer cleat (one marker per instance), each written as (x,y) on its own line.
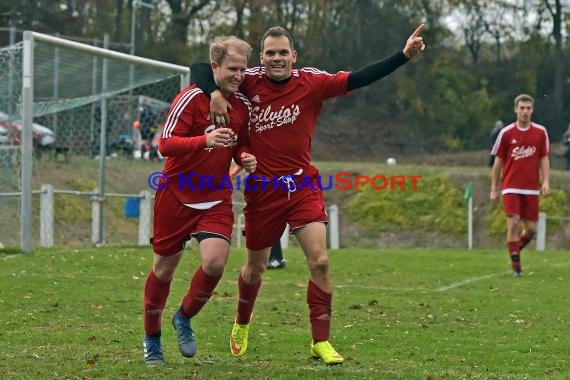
(185,335)
(153,351)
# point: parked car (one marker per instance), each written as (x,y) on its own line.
(4,136)
(4,133)
(42,136)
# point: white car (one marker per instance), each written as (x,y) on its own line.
(4,133)
(4,137)
(43,136)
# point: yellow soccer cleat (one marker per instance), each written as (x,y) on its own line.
(325,351)
(238,339)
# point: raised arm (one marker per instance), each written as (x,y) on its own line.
(379,69)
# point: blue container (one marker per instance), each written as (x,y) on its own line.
(132,207)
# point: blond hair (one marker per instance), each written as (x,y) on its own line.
(221,45)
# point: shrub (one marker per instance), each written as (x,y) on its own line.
(437,205)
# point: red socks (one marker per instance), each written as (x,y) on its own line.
(200,291)
(523,242)
(155,296)
(247,297)
(320,310)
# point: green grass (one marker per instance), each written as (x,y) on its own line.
(398,314)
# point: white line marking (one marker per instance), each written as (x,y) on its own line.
(475,279)
(468,281)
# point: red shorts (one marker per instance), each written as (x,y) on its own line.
(175,223)
(525,206)
(269,210)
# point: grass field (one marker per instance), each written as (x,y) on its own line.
(398,314)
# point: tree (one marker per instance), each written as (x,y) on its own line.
(183,11)
(556,12)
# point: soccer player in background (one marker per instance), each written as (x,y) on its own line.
(188,207)
(286,104)
(521,154)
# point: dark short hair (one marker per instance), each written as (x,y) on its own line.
(277,31)
(523,98)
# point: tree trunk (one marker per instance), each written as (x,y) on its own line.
(119,21)
(558,72)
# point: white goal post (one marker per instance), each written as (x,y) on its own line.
(27,111)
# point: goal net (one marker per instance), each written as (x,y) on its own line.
(68,102)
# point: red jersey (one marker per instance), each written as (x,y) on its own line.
(521,151)
(195,172)
(284,116)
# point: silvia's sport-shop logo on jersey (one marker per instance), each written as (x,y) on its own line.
(266,118)
(520,152)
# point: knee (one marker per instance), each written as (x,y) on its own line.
(163,273)
(164,267)
(319,264)
(530,232)
(253,271)
(256,269)
(214,267)
(512,224)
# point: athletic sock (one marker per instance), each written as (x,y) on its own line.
(155,296)
(201,288)
(320,310)
(523,241)
(247,297)
(276,253)
(514,253)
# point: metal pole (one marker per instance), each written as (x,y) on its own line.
(132,47)
(470,223)
(26,142)
(184,80)
(12,34)
(102,148)
(11,102)
(94,64)
(133,26)
(56,61)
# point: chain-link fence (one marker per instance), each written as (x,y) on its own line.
(77,105)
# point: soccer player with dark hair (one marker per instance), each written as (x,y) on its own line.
(286,104)
(521,155)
